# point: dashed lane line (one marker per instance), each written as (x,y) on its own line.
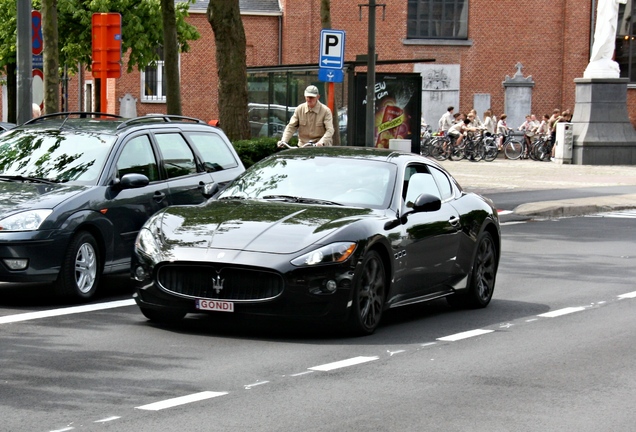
(182,400)
(561,312)
(464,335)
(343,363)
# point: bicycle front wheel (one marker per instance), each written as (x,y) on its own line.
(513,149)
(490,150)
(438,149)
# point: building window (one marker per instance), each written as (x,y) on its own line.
(625,53)
(153,85)
(437,19)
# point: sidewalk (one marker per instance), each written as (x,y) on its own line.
(503,175)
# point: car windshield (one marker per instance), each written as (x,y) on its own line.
(54,155)
(317,180)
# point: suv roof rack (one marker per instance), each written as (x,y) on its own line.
(159,117)
(67,114)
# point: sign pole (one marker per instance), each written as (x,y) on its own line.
(331,97)
(103,102)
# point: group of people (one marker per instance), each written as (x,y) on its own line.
(457,125)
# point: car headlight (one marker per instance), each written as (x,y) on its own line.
(25,221)
(146,244)
(329,254)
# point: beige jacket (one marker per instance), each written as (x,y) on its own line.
(312,125)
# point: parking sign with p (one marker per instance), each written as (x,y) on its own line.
(332,43)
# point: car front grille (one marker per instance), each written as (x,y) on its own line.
(224,283)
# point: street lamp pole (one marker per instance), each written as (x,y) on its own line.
(370,113)
(24,60)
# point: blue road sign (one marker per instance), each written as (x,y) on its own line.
(332,49)
(330,75)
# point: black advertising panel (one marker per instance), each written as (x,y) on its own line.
(398,109)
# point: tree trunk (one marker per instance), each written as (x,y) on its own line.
(50,55)
(229,36)
(171,58)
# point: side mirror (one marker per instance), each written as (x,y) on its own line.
(426,203)
(208,189)
(131,181)
(423,203)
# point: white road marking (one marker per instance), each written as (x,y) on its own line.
(63,430)
(343,363)
(169,403)
(107,419)
(464,335)
(561,312)
(391,353)
(628,295)
(428,344)
(65,311)
(249,386)
(302,373)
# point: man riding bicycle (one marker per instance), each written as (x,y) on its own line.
(313,121)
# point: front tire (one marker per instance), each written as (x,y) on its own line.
(368,295)
(81,268)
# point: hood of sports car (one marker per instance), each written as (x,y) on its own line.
(19,196)
(257,226)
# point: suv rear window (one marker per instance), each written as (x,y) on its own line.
(214,150)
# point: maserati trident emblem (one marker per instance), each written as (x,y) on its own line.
(217,284)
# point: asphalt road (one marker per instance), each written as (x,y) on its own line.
(553,352)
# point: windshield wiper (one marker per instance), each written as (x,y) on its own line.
(232,197)
(295,199)
(19,178)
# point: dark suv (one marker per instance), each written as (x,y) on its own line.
(75,188)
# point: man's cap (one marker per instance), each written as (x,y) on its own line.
(311,91)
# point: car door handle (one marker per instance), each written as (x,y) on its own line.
(158,196)
(454,221)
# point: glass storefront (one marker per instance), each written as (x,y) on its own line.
(273,96)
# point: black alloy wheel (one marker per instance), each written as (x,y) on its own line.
(369,294)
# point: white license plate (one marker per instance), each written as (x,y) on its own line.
(214,305)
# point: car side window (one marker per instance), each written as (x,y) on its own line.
(138,157)
(178,158)
(214,150)
(445,187)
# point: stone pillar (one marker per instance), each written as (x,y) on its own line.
(603,134)
(518,97)
(481,102)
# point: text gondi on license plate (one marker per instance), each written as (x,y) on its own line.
(214,305)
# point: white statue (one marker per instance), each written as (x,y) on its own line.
(601,64)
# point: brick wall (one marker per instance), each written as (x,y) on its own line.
(549,37)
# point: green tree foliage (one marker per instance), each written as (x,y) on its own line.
(142,30)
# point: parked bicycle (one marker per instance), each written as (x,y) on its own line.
(513,147)
(426,136)
(542,148)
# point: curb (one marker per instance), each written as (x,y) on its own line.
(577,207)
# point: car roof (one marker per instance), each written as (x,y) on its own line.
(103,122)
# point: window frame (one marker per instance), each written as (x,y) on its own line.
(455,28)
